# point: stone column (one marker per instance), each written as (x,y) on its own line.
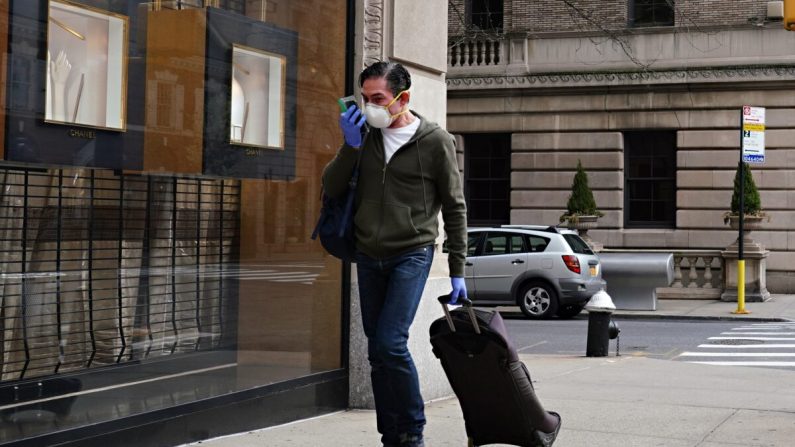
(413,33)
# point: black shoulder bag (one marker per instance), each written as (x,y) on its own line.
(335,225)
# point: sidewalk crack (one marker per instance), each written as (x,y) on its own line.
(704,439)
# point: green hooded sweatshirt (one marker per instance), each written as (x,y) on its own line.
(397,203)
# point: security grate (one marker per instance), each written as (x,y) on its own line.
(99,269)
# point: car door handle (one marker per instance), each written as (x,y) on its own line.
(468,264)
(517,261)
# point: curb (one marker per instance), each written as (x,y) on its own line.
(622,316)
(724,318)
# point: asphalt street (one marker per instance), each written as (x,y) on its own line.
(718,343)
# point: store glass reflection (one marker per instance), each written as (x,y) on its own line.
(158,191)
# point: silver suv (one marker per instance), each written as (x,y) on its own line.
(546,271)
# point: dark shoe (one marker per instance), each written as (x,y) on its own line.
(407,440)
(542,439)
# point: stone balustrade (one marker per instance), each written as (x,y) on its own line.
(483,52)
(520,60)
(698,274)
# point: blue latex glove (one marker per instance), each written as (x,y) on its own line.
(459,289)
(351,122)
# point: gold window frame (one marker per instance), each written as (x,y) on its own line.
(125,21)
(282,96)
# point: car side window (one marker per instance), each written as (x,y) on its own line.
(496,244)
(517,245)
(537,244)
(472,243)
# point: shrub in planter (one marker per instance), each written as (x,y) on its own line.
(581,202)
(752,204)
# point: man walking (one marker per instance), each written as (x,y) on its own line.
(408,173)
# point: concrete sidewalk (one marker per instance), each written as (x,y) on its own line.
(779,307)
(610,401)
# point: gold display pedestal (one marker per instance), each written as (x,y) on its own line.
(755,271)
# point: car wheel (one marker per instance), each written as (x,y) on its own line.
(538,300)
(570,310)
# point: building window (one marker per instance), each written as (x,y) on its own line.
(650,179)
(651,13)
(486,15)
(487,170)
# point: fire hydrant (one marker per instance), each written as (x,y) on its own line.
(601,328)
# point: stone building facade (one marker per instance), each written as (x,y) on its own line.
(651,111)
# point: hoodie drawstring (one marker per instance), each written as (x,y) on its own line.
(422,178)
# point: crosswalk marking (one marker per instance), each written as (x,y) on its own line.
(764,346)
(737,354)
(752,338)
(747,363)
(757,333)
(755,344)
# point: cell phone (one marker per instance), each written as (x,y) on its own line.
(346,102)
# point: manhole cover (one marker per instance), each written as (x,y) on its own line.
(738,341)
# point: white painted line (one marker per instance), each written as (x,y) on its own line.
(747,363)
(757,333)
(737,354)
(753,338)
(761,346)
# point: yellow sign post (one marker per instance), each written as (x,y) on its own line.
(789,15)
(741,287)
(752,150)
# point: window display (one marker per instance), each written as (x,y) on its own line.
(257,98)
(86,66)
(154,268)
(248,61)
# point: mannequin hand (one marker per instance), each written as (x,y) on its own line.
(60,68)
(459,289)
(351,122)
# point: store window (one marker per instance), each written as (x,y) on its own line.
(159,182)
(486,15)
(650,179)
(487,178)
(651,13)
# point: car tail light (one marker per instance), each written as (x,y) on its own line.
(572,263)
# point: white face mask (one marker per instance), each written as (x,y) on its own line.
(379,116)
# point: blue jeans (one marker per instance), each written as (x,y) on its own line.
(390,290)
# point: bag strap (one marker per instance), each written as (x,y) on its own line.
(352,186)
(351,193)
(355,176)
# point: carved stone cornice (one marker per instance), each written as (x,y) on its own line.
(373,32)
(708,75)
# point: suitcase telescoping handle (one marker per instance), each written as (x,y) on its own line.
(467,303)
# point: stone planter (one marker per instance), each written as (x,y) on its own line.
(582,224)
(755,257)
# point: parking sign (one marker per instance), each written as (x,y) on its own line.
(753,134)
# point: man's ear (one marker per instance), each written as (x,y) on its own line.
(404,98)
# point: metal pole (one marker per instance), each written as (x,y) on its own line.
(740,254)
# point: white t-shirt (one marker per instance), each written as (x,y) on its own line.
(395,138)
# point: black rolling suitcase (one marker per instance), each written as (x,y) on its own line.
(491,383)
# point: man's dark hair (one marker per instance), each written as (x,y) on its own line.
(397,77)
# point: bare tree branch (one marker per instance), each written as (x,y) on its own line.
(589,18)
